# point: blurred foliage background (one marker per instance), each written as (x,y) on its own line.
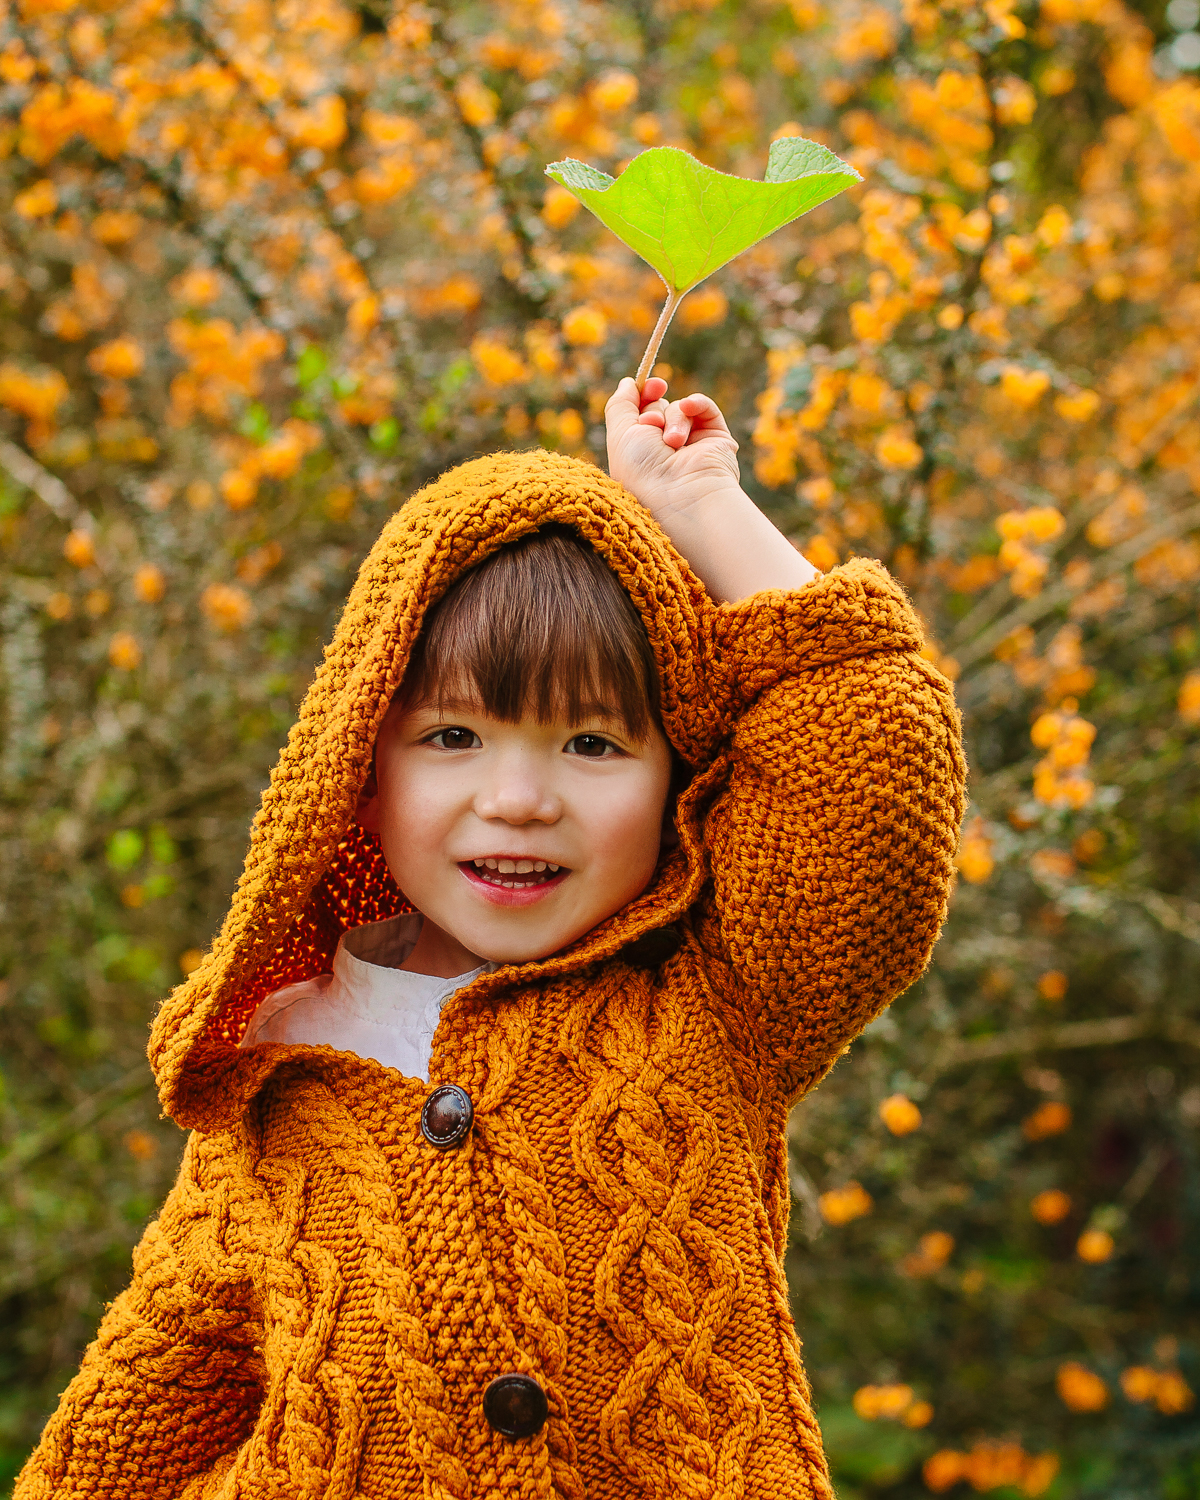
(268,265)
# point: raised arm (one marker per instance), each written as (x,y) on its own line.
(171,1382)
(832,841)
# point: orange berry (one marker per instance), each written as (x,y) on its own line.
(1173,1395)
(141,1145)
(559,206)
(1052,985)
(1095,1246)
(189,959)
(1079,1388)
(238,489)
(704,309)
(124,652)
(1051,1206)
(119,359)
(585,325)
(1051,1118)
(943,1470)
(79,548)
(149,585)
(842,1205)
(1139,1383)
(900,1114)
(227,607)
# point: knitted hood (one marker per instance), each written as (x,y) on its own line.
(311,871)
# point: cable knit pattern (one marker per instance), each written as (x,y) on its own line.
(325,1298)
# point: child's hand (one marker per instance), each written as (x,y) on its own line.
(680,460)
(669,456)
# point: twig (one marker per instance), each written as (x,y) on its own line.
(49,489)
(317,196)
(172,803)
(50,1268)
(527,288)
(138,1080)
(1045,604)
(1175,914)
(1143,1178)
(1107,1032)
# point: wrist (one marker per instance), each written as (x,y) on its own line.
(731,545)
(698,499)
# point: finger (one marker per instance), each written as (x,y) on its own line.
(624,405)
(706,415)
(678,426)
(655,414)
(654,390)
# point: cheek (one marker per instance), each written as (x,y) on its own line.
(626,826)
(412,810)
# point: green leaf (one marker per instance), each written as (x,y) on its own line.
(384,434)
(687,219)
(455,375)
(163,849)
(255,423)
(125,849)
(311,365)
(156,886)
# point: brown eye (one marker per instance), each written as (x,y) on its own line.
(455,738)
(593,746)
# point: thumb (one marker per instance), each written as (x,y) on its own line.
(623,409)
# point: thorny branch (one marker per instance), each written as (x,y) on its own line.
(49,489)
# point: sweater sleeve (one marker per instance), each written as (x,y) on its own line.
(171,1381)
(832,839)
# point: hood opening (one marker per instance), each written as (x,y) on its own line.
(311,871)
(357,888)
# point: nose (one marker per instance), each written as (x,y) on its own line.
(518,791)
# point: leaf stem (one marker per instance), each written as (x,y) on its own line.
(656,338)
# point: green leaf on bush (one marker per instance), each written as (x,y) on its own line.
(163,849)
(125,849)
(384,434)
(687,219)
(311,365)
(255,423)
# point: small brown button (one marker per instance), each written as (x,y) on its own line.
(653,947)
(447,1116)
(515,1405)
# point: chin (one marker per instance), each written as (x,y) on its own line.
(518,953)
(521,948)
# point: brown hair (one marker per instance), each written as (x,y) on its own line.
(541,627)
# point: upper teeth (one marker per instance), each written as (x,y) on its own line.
(517,866)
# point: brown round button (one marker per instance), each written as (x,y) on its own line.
(653,947)
(447,1116)
(515,1405)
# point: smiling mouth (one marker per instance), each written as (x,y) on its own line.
(514,874)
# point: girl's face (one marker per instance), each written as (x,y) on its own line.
(513,840)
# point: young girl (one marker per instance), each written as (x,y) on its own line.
(487,1190)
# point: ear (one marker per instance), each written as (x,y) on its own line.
(367,812)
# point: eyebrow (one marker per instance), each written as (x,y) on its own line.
(445,707)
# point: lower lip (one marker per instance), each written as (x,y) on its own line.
(517,895)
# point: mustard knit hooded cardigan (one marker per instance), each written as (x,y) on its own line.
(324,1299)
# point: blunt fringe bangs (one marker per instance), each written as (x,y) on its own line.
(543,627)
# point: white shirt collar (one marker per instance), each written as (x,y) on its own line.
(367,1005)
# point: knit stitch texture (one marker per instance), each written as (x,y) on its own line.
(324,1298)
